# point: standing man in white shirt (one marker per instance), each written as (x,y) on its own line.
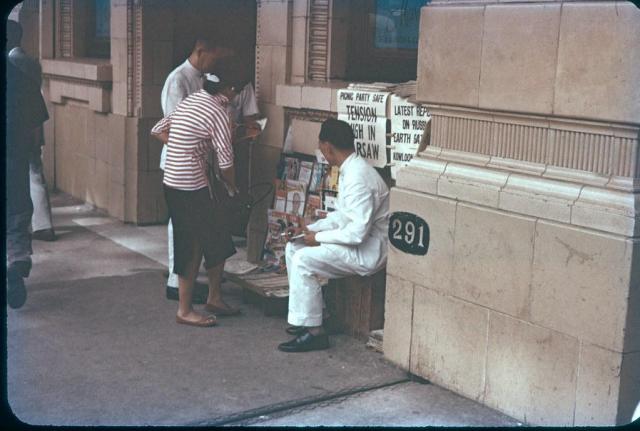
(243,108)
(181,82)
(350,240)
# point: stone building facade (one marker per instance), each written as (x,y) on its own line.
(103,104)
(527,298)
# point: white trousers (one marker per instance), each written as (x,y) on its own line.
(304,265)
(41,218)
(173,278)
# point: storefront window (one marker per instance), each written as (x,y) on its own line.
(384,40)
(99,30)
(397,24)
(103,22)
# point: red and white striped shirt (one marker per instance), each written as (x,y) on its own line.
(199,125)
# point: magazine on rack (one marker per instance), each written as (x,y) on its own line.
(314,202)
(329,199)
(296,197)
(305,172)
(331,179)
(280,195)
(275,243)
(291,168)
(317,178)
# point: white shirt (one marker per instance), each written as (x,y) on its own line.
(181,82)
(185,80)
(361,218)
(244,104)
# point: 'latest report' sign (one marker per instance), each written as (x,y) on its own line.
(366,112)
(408,123)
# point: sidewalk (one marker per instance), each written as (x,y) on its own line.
(97,344)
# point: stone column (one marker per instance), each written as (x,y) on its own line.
(142,57)
(273,67)
(528,298)
(46,44)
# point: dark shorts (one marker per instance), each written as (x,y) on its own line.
(197,220)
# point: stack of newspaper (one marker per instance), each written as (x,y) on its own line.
(375,340)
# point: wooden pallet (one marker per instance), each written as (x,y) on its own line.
(268,290)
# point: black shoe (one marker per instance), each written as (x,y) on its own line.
(172,293)
(44,235)
(19,268)
(200,293)
(16,292)
(305,342)
(296,330)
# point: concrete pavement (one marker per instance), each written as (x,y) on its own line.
(97,344)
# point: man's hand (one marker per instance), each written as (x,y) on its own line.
(249,131)
(310,239)
(292,231)
(252,129)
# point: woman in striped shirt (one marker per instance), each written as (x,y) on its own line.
(198,128)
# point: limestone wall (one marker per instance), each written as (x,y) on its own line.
(533,317)
(273,67)
(528,296)
(568,58)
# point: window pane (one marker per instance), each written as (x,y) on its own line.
(103,19)
(397,23)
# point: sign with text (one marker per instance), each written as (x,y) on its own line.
(408,123)
(366,113)
(409,233)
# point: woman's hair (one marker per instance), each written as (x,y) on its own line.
(216,87)
(226,70)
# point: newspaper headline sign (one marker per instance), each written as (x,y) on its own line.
(366,113)
(408,123)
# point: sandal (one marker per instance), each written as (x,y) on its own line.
(220,311)
(204,322)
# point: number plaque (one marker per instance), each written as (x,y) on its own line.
(409,233)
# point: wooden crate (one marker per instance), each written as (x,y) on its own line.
(356,304)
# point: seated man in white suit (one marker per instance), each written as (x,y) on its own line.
(350,240)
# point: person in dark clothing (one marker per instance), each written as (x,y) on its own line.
(41,221)
(25,114)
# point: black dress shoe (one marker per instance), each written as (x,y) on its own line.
(172,293)
(44,235)
(20,268)
(299,330)
(296,330)
(16,292)
(305,342)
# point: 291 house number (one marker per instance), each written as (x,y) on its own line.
(409,233)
